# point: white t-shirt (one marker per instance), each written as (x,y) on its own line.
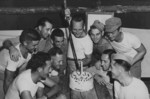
(136,90)
(12,66)
(128,45)
(83,46)
(23,82)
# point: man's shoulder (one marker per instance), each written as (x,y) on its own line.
(24,77)
(128,34)
(138,81)
(87,38)
(105,41)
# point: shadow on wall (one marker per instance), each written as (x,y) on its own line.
(20,22)
(135,19)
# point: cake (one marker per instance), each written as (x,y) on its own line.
(81,81)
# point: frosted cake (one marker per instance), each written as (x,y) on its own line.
(81,81)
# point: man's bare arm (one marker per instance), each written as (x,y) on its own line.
(26,95)
(55,88)
(40,92)
(141,51)
(8,79)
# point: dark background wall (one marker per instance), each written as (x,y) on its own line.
(17,22)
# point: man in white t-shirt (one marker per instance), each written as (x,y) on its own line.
(27,85)
(83,45)
(43,27)
(126,86)
(83,48)
(125,43)
(29,39)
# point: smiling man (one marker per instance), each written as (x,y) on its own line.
(28,84)
(83,45)
(125,43)
(29,40)
(60,42)
(126,86)
(99,42)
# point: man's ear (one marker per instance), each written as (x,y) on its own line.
(25,43)
(40,27)
(40,69)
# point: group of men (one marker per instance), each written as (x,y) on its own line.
(124,66)
(37,52)
(39,56)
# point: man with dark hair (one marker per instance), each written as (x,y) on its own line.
(44,27)
(57,62)
(29,40)
(57,32)
(60,42)
(27,85)
(83,46)
(125,43)
(56,55)
(99,42)
(126,86)
(102,74)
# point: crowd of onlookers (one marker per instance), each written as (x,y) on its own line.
(39,61)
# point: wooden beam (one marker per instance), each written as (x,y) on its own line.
(33,10)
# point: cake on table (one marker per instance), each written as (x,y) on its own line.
(81,81)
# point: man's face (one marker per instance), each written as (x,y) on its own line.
(105,62)
(77,29)
(112,36)
(96,35)
(57,61)
(114,70)
(31,46)
(46,30)
(46,69)
(58,41)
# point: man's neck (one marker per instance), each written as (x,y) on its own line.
(23,50)
(125,79)
(99,42)
(35,77)
(83,34)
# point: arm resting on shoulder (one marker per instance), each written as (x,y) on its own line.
(10,45)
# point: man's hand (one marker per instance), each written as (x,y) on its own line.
(100,80)
(14,53)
